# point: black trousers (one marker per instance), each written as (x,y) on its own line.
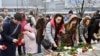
(21,50)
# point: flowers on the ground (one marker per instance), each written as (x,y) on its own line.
(73,51)
(67,48)
(74,54)
(85,47)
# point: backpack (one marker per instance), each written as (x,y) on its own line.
(29,21)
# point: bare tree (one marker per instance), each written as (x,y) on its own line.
(82,5)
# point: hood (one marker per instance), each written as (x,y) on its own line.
(71,18)
(84,19)
(28,28)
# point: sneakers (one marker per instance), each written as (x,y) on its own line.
(94,41)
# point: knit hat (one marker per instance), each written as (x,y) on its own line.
(28,28)
(70,12)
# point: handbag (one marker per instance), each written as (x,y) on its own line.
(46,44)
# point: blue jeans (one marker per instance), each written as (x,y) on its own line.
(39,48)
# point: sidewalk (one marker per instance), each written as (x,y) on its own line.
(93,53)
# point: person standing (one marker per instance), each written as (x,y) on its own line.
(2,46)
(10,33)
(31,19)
(4,13)
(40,25)
(67,17)
(21,48)
(29,38)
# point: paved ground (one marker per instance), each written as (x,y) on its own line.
(94,53)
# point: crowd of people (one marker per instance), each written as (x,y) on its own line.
(26,33)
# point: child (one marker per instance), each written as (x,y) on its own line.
(30,40)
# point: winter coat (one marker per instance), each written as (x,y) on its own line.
(30,43)
(7,38)
(40,26)
(70,36)
(30,39)
(50,31)
(83,30)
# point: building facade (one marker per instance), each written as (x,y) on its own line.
(44,6)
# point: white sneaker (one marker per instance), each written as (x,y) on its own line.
(95,41)
(92,41)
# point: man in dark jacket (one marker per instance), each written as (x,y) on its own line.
(10,33)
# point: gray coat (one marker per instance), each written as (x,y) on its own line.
(50,33)
(83,30)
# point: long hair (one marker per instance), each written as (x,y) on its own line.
(60,24)
(85,20)
(68,24)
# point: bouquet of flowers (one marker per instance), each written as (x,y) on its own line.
(20,36)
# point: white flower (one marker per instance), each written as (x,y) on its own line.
(65,47)
(69,47)
(79,50)
(90,49)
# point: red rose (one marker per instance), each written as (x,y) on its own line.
(4,47)
(19,41)
(84,50)
(74,54)
(87,44)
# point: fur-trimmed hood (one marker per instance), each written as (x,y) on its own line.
(84,19)
(71,18)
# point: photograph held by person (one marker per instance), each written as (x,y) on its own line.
(54,28)
(71,37)
(10,33)
(83,28)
